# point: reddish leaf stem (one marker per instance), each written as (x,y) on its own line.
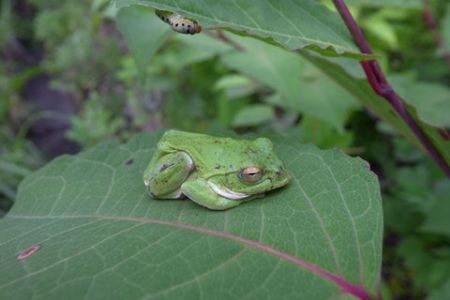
(381,87)
(347,287)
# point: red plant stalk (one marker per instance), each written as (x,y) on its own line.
(381,86)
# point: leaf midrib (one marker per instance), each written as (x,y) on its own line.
(346,286)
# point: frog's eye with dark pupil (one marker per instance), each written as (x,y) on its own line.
(251,174)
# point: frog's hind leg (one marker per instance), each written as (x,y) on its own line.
(199,191)
(164,177)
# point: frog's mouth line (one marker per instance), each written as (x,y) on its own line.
(225,192)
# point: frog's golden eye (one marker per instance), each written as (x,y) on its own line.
(251,174)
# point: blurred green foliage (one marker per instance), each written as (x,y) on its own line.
(99,122)
(202,84)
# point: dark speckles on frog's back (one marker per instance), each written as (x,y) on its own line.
(221,154)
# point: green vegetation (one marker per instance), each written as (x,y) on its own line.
(84,76)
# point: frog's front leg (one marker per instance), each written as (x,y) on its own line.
(199,191)
(165,176)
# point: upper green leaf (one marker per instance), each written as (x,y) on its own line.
(84,227)
(291,24)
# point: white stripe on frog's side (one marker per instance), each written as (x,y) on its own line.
(225,192)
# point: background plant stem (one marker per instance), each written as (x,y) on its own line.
(381,86)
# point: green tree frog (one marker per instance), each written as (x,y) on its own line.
(215,172)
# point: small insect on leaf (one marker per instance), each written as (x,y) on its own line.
(179,23)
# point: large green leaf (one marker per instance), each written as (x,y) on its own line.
(291,24)
(90,231)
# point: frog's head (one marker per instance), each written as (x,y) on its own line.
(256,170)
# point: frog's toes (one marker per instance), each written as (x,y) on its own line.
(174,195)
(165,176)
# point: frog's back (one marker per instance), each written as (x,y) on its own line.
(182,140)
(200,145)
(212,154)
